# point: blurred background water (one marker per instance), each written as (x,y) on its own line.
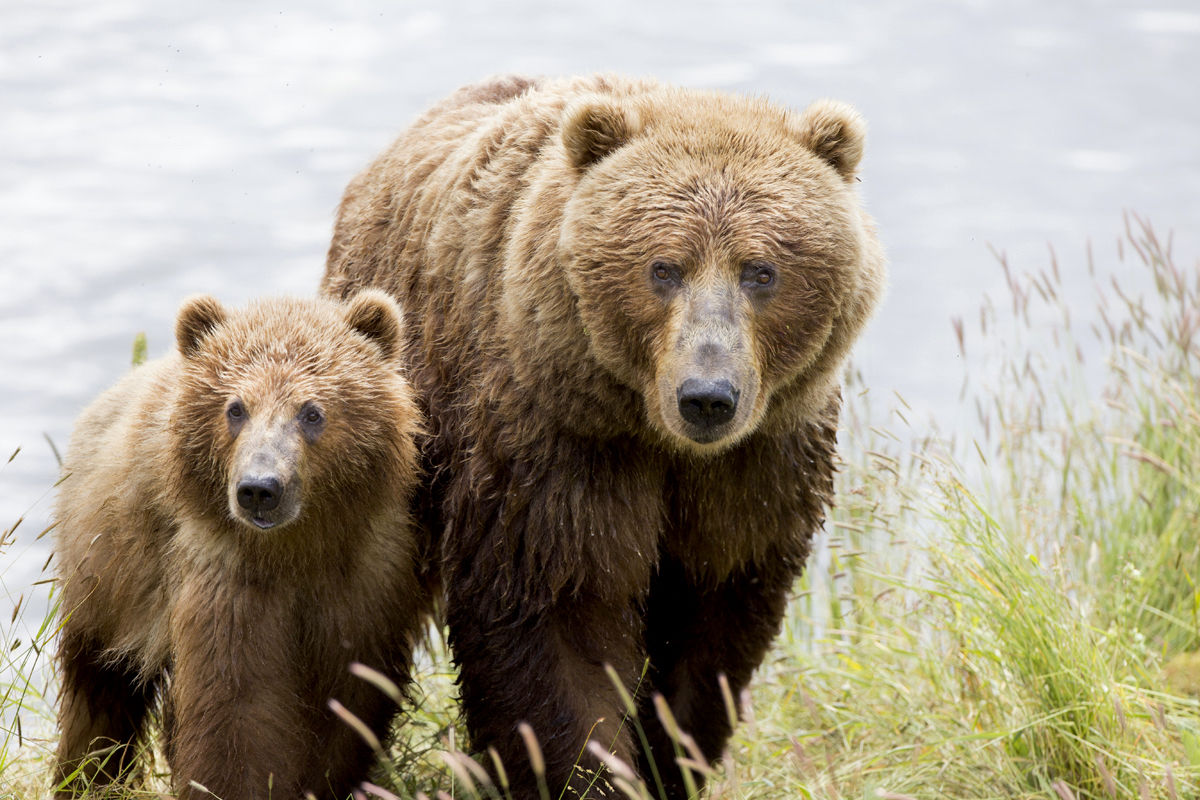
(151,150)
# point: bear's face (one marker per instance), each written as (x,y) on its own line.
(713,255)
(289,406)
(273,433)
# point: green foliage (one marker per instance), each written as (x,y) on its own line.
(139,349)
(26,719)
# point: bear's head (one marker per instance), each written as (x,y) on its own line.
(292,409)
(719,259)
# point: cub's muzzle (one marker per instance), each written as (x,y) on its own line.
(258,495)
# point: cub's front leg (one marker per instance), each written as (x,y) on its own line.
(235,720)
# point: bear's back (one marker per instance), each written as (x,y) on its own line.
(112,520)
(466,158)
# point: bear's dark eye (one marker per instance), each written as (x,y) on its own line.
(758,275)
(663,272)
(312,421)
(235,416)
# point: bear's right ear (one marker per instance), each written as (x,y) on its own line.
(595,127)
(836,133)
(376,316)
(197,318)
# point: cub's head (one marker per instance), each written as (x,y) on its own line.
(720,260)
(291,410)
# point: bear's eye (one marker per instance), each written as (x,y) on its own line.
(662,272)
(311,415)
(758,275)
(235,417)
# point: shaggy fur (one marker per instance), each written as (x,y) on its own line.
(580,256)
(243,618)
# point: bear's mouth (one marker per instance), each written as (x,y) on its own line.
(266,522)
(706,435)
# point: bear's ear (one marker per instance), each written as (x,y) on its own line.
(594,127)
(836,133)
(376,316)
(197,318)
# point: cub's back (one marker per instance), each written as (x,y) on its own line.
(111,518)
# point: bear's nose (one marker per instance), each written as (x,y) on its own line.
(259,494)
(707,403)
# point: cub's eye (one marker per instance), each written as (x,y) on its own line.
(312,421)
(663,273)
(236,411)
(311,415)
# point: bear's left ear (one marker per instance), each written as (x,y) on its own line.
(836,133)
(376,316)
(596,126)
(198,317)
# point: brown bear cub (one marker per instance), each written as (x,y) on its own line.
(234,531)
(636,302)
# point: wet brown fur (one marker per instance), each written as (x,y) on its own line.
(518,222)
(244,634)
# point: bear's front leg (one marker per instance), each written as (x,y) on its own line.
(695,633)
(547,565)
(346,757)
(235,719)
(546,669)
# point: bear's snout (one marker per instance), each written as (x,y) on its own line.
(265,498)
(707,403)
(257,495)
(266,486)
(707,383)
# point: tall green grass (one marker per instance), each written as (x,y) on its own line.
(1008,610)
(26,715)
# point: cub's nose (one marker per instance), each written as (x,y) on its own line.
(707,403)
(259,494)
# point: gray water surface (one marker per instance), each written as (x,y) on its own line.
(152,150)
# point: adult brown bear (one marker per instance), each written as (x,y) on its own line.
(234,531)
(631,305)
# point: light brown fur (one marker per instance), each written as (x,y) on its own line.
(246,628)
(633,305)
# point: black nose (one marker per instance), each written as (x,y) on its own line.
(259,494)
(707,403)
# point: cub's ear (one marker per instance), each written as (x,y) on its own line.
(836,133)
(198,317)
(376,316)
(594,127)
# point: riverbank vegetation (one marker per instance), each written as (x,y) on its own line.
(1009,610)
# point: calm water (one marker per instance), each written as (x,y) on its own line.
(152,150)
